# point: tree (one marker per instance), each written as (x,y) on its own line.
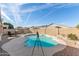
(58,27)
(77,26)
(72,36)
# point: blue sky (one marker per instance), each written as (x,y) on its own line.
(34,14)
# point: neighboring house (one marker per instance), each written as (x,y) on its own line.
(21,30)
(6,29)
(5,26)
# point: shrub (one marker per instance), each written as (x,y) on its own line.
(72,36)
(77,26)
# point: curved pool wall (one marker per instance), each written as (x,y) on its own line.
(43,40)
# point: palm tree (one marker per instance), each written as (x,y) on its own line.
(58,27)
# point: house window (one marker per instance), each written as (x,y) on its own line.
(4,27)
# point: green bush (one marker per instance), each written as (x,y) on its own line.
(72,36)
(77,26)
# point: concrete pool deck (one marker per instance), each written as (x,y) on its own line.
(16,47)
(0,36)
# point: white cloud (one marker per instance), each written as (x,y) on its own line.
(13,9)
(54,5)
(15,12)
(27,19)
(7,18)
(59,6)
(37,8)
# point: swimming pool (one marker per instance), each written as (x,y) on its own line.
(43,41)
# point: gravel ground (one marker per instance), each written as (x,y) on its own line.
(68,51)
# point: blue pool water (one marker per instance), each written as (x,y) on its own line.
(43,41)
